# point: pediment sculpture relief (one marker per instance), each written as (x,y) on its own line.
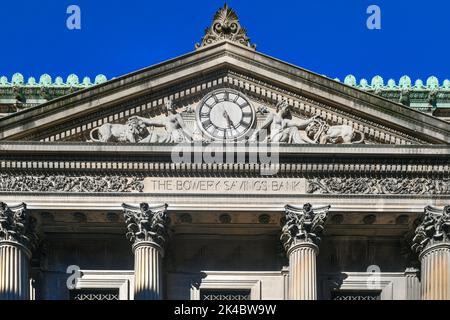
(142,130)
(284,129)
(227,115)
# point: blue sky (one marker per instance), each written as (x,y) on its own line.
(326,36)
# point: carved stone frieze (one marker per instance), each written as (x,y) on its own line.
(79,184)
(147,224)
(434,229)
(303,225)
(377,186)
(17,225)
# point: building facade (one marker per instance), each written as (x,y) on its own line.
(224,174)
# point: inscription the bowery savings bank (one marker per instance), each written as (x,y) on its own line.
(216,185)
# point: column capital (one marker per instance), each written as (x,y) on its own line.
(433,230)
(17,226)
(147,224)
(303,225)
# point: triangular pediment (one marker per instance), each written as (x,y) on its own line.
(187,80)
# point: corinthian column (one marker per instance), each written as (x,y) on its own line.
(16,238)
(432,242)
(301,239)
(147,230)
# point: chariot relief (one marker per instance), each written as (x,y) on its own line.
(228,115)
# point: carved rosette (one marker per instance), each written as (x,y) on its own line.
(17,226)
(303,225)
(147,224)
(225,26)
(434,229)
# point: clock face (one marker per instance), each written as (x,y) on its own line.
(225,115)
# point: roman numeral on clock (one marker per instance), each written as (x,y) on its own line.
(207,124)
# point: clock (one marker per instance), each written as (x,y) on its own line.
(225,114)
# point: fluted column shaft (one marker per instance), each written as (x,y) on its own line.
(148,271)
(435,262)
(14,271)
(413,288)
(17,238)
(302,270)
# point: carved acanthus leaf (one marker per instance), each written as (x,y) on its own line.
(303,224)
(145,223)
(363,185)
(434,228)
(17,225)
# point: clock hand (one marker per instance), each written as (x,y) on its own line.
(227,117)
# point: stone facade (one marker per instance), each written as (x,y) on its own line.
(323,190)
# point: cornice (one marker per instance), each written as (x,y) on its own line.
(129,149)
(310,161)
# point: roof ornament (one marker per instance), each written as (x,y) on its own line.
(225,26)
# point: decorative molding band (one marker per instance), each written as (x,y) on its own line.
(365,185)
(94,183)
(45,167)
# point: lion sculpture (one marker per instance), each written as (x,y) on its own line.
(129,132)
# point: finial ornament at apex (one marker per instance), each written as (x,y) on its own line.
(225,26)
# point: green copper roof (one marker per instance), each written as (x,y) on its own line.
(377,83)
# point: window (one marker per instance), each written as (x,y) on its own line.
(222,285)
(104,285)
